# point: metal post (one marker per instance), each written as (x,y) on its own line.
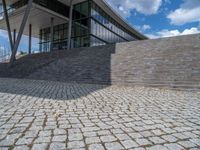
(25,18)
(30,34)
(70,25)
(8,24)
(14,36)
(51,34)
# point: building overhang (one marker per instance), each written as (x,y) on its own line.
(66,2)
(41,23)
(39,17)
(109,10)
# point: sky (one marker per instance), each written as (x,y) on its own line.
(154,18)
(160,18)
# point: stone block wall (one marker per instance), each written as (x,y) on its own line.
(173,62)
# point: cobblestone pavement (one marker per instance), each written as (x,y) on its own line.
(41,115)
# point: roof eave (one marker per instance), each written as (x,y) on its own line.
(124,22)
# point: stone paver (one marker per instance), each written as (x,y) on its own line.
(37,115)
(174,146)
(96,147)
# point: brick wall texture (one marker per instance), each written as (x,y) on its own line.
(163,62)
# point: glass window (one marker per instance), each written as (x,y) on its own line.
(95,41)
(110,30)
(97,29)
(85,9)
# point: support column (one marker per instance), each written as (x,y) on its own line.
(70,25)
(30,42)
(21,30)
(51,34)
(14,36)
(8,24)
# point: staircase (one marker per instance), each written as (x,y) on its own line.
(84,65)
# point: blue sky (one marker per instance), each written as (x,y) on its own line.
(154,18)
(160,18)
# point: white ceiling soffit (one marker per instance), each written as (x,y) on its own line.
(39,18)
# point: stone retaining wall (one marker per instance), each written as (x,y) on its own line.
(162,62)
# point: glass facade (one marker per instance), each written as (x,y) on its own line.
(81,25)
(59,38)
(106,28)
(91,26)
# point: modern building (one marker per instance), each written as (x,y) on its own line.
(89,22)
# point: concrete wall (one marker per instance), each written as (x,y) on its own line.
(169,62)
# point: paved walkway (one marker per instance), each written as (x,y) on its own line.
(45,115)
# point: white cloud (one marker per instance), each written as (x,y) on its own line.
(146,27)
(188,12)
(152,36)
(4,34)
(147,7)
(170,33)
(2,48)
(143,28)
